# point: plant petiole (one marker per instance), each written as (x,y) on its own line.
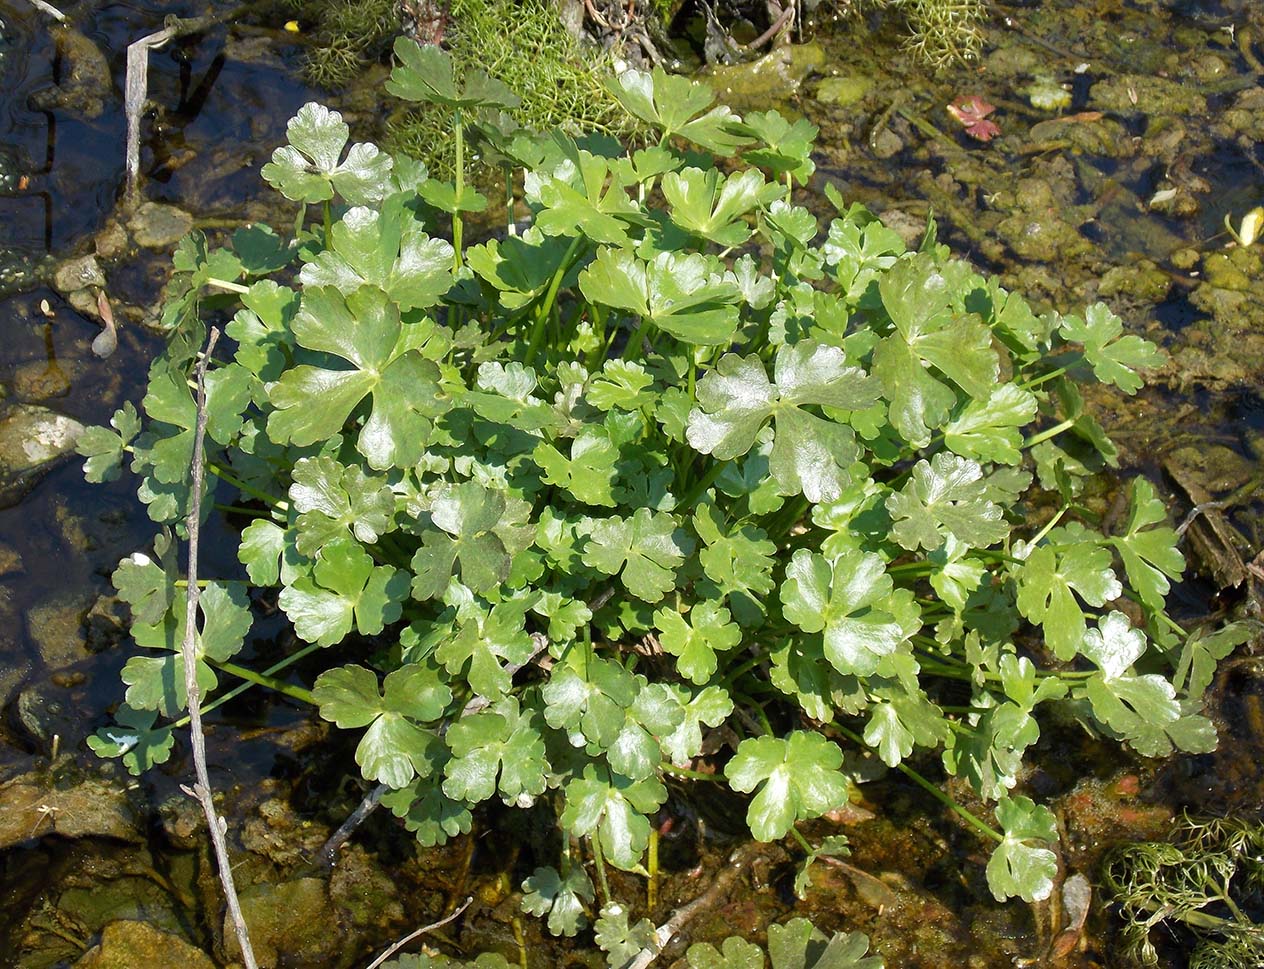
(263,679)
(973,819)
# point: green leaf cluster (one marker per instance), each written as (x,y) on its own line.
(677,463)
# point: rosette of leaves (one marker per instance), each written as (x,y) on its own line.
(585,495)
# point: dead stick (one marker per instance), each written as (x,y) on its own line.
(421,931)
(329,851)
(49,9)
(671,928)
(188,653)
(135,89)
(771,32)
(136,85)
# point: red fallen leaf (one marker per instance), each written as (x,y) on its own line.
(972,111)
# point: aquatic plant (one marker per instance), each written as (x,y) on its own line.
(795,945)
(1202,882)
(940,32)
(561,85)
(553,508)
(346,35)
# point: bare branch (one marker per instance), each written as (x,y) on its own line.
(686,913)
(135,89)
(49,9)
(421,931)
(188,652)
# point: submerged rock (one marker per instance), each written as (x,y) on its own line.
(40,380)
(130,945)
(292,924)
(1145,94)
(56,628)
(32,439)
(158,226)
(36,804)
(843,91)
(773,78)
(79,273)
(85,83)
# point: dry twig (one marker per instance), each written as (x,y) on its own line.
(418,932)
(686,913)
(136,85)
(188,653)
(49,9)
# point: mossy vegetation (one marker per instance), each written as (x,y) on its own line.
(1205,883)
(347,35)
(940,32)
(560,83)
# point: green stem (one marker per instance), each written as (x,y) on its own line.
(1043,378)
(758,709)
(803,842)
(246,489)
(241,688)
(976,822)
(225,284)
(788,518)
(240,510)
(545,309)
(599,859)
(1046,434)
(913,568)
(651,884)
(263,679)
(510,228)
(329,224)
(703,483)
(1048,527)
(732,675)
(636,342)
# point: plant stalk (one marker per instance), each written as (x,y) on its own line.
(201,790)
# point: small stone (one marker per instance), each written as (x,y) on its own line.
(1185,258)
(111,241)
(1145,94)
(31,439)
(76,274)
(158,226)
(773,78)
(910,228)
(39,380)
(1141,280)
(34,805)
(83,302)
(56,628)
(10,560)
(85,83)
(843,91)
(294,918)
(886,144)
(129,945)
